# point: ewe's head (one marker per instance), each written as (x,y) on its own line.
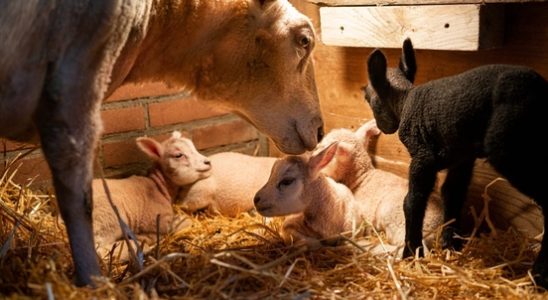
(387,87)
(263,70)
(177,157)
(288,188)
(352,146)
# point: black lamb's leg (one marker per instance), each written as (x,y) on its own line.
(422,175)
(453,193)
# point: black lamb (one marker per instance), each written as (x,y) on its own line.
(494,111)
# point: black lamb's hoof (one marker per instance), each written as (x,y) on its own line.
(448,240)
(409,251)
(540,274)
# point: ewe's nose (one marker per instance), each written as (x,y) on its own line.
(320,134)
(256,199)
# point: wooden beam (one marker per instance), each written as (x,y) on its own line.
(438,27)
(412,2)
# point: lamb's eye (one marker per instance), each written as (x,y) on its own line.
(179,155)
(285,182)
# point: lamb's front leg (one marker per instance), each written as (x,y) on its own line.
(453,192)
(422,175)
(294,232)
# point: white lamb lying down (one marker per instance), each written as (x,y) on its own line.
(379,194)
(316,206)
(229,191)
(141,199)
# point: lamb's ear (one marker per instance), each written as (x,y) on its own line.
(319,160)
(368,129)
(344,150)
(408,65)
(376,68)
(150,147)
(176,134)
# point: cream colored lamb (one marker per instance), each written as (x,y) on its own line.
(316,206)
(140,199)
(229,191)
(379,194)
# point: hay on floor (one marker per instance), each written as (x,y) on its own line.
(244,258)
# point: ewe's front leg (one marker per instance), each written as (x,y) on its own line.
(68,133)
(422,175)
(453,193)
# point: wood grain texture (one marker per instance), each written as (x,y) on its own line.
(439,27)
(412,2)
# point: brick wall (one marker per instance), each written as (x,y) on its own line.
(154,110)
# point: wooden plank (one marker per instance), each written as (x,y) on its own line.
(412,2)
(439,27)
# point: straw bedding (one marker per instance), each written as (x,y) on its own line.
(244,258)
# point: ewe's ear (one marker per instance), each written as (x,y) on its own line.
(320,160)
(408,65)
(376,68)
(150,147)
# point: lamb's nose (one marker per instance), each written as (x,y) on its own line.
(256,199)
(320,134)
(207,162)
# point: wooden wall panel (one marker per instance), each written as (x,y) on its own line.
(341,72)
(436,27)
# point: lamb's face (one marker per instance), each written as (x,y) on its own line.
(283,193)
(386,120)
(182,163)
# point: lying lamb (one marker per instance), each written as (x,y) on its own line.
(378,194)
(316,206)
(229,191)
(493,111)
(141,199)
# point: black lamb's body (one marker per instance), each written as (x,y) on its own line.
(493,111)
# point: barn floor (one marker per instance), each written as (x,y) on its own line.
(244,258)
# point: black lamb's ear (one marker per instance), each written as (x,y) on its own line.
(408,65)
(376,68)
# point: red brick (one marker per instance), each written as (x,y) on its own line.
(150,89)
(180,111)
(123,119)
(230,132)
(13,145)
(29,168)
(121,153)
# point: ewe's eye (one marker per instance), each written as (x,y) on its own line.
(285,182)
(304,41)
